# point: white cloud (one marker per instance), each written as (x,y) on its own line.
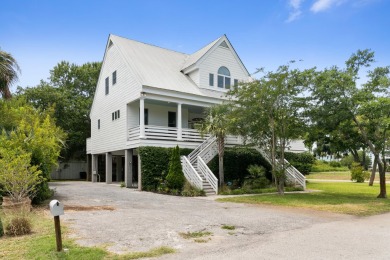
(295,12)
(322,5)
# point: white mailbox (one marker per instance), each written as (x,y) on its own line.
(56,208)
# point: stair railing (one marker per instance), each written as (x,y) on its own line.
(209,175)
(190,173)
(292,173)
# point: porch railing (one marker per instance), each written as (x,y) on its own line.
(171,134)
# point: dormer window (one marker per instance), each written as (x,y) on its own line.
(223,77)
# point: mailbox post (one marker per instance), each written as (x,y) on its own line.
(57,209)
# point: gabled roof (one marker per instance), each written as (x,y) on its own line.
(193,58)
(157,67)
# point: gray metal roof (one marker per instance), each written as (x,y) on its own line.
(161,68)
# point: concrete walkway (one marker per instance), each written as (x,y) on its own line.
(142,220)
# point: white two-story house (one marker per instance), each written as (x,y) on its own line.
(150,96)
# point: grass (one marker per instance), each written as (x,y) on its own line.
(347,198)
(320,166)
(41,244)
(228,227)
(196,234)
(346,175)
(255,191)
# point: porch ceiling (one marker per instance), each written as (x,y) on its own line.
(191,108)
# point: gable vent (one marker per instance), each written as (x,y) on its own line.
(110,44)
(224,44)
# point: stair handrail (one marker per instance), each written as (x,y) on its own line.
(211,147)
(190,173)
(208,174)
(291,171)
(194,154)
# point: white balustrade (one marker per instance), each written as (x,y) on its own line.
(190,173)
(209,175)
(292,173)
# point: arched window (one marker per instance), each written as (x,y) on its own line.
(223,77)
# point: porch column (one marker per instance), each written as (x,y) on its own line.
(179,124)
(108,168)
(118,168)
(139,173)
(142,117)
(129,168)
(94,167)
(89,166)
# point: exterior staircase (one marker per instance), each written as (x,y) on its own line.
(195,166)
(197,172)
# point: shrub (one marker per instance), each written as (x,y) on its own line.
(175,178)
(303,162)
(236,161)
(18,226)
(358,174)
(191,191)
(323,166)
(155,163)
(348,160)
(256,178)
(18,178)
(1,228)
(335,164)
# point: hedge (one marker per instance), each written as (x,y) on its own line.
(302,161)
(155,165)
(236,162)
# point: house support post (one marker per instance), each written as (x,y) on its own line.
(108,168)
(89,168)
(142,117)
(94,167)
(128,168)
(118,168)
(179,124)
(139,173)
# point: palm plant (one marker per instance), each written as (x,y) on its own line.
(9,70)
(217,123)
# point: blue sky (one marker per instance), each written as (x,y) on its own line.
(264,33)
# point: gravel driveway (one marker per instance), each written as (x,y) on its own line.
(139,221)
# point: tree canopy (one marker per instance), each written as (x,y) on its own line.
(9,70)
(338,104)
(70,89)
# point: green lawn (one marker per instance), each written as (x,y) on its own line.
(348,198)
(41,244)
(320,166)
(345,175)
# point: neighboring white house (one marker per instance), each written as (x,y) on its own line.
(151,96)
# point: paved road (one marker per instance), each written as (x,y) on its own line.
(143,220)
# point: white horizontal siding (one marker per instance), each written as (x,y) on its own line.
(158,114)
(194,75)
(220,57)
(112,135)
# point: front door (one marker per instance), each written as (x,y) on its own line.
(171,119)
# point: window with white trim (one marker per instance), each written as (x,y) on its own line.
(107,85)
(224,78)
(211,79)
(114,78)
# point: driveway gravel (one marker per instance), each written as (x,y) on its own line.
(141,221)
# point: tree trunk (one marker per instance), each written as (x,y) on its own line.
(221,151)
(382,178)
(372,178)
(355,156)
(221,177)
